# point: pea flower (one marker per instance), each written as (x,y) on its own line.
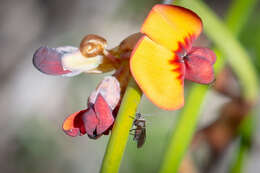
(159,57)
(91,57)
(164,56)
(98,117)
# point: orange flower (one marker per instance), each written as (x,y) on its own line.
(161,57)
(164,56)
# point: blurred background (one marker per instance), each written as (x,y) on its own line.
(33,105)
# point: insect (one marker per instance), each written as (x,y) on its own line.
(139,129)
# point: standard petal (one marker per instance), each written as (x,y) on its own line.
(73,124)
(159,73)
(104,114)
(171,25)
(203,52)
(198,69)
(48,60)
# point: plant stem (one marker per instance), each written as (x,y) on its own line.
(239,12)
(120,132)
(184,130)
(241,154)
(246,132)
(188,118)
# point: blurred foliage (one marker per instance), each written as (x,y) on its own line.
(250,37)
(149,157)
(135,8)
(37,150)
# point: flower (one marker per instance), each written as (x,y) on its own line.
(95,120)
(91,57)
(164,57)
(103,103)
(159,58)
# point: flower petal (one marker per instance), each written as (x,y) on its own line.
(90,122)
(104,114)
(77,62)
(171,25)
(109,88)
(73,124)
(49,60)
(159,73)
(204,53)
(199,69)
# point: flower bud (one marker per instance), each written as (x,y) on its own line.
(92,45)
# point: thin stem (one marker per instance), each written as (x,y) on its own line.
(241,154)
(240,10)
(185,128)
(120,132)
(246,130)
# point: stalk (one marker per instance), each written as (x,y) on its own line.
(120,132)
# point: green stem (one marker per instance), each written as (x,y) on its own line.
(245,131)
(240,10)
(237,163)
(184,130)
(188,118)
(241,154)
(120,132)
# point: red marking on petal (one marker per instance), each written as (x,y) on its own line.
(104,114)
(179,67)
(204,53)
(181,71)
(187,44)
(73,124)
(185,47)
(198,69)
(48,60)
(157,72)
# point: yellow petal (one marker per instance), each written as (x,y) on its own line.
(169,25)
(159,74)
